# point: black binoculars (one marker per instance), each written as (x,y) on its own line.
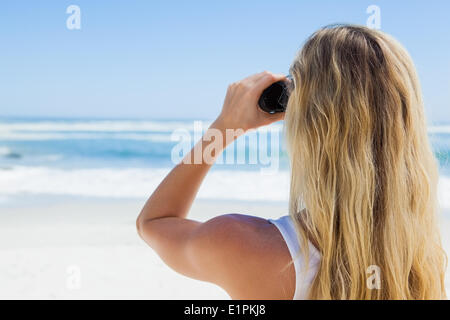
(275,98)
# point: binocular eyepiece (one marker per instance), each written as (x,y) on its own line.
(275,98)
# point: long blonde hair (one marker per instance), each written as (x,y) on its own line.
(364,177)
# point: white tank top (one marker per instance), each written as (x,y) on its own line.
(302,281)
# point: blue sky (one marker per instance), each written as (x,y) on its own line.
(174,59)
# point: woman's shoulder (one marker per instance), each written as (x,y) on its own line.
(257,233)
(259,251)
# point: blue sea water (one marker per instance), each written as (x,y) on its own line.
(64,143)
(103,157)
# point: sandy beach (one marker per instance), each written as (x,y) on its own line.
(89,249)
(80,248)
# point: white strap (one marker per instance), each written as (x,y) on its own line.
(302,281)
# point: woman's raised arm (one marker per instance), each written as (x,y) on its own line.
(186,245)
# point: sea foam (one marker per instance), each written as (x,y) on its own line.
(140,182)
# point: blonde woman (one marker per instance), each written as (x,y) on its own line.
(363,184)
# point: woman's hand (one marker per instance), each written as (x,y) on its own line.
(240,109)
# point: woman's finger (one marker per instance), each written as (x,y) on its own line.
(266,80)
(255,78)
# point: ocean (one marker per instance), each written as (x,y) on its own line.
(128,158)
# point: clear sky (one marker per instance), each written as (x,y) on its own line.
(174,59)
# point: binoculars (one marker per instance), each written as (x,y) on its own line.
(275,98)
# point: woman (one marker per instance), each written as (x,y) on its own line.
(362,221)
